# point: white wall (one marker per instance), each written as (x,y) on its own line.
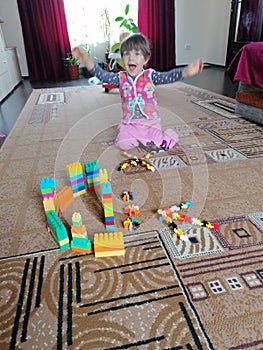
(203,25)
(218,27)
(12,31)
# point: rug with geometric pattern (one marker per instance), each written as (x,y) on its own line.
(164,293)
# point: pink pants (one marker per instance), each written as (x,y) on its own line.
(130,135)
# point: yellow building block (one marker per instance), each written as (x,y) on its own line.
(74,169)
(103,175)
(109,244)
(76,219)
(49,204)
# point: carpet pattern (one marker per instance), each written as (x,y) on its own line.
(165,293)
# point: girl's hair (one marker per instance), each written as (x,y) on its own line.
(136,42)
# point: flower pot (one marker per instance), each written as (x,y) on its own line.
(73,71)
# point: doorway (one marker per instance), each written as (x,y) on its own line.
(246,25)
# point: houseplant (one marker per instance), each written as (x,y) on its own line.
(126,21)
(71,64)
(105,25)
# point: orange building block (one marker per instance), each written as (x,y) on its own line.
(65,198)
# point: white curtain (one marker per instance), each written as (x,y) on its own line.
(84,20)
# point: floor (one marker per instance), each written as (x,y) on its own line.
(213,78)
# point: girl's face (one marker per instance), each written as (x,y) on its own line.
(133,62)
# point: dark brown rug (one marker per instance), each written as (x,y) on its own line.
(164,293)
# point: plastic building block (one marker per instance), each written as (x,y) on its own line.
(76,178)
(92,171)
(76,219)
(80,242)
(132,211)
(58,231)
(108,244)
(65,198)
(106,198)
(169,215)
(135,161)
(47,182)
(127,196)
(103,176)
(131,224)
(49,205)
(47,187)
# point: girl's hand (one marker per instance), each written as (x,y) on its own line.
(80,53)
(193,68)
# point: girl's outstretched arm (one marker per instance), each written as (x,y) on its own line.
(193,68)
(79,53)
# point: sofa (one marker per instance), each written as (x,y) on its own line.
(246,68)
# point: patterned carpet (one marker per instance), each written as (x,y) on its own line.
(164,293)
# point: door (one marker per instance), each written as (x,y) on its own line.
(246,25)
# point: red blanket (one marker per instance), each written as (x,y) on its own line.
(247,65)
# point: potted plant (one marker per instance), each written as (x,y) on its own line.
(71,64)
(126,21)
(105,26)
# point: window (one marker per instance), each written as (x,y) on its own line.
(85,21)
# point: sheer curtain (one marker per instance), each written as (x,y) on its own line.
(85,22)
(156,20)
(46,37)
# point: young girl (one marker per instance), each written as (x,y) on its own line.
(140,120)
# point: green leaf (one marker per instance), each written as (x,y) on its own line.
(134,28)
(127,8)
(124,23)
(118,19)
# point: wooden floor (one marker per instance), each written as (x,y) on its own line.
(213,78)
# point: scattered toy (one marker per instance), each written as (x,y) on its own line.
(127,196)
(134,161)
(170,214)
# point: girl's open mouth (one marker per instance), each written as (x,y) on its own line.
(132,67)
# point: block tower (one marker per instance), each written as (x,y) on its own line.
(92,171)
(106,198)
(48,191)
(58,231)
(80,242)
(76,178)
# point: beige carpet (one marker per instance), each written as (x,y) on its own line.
(164,293)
